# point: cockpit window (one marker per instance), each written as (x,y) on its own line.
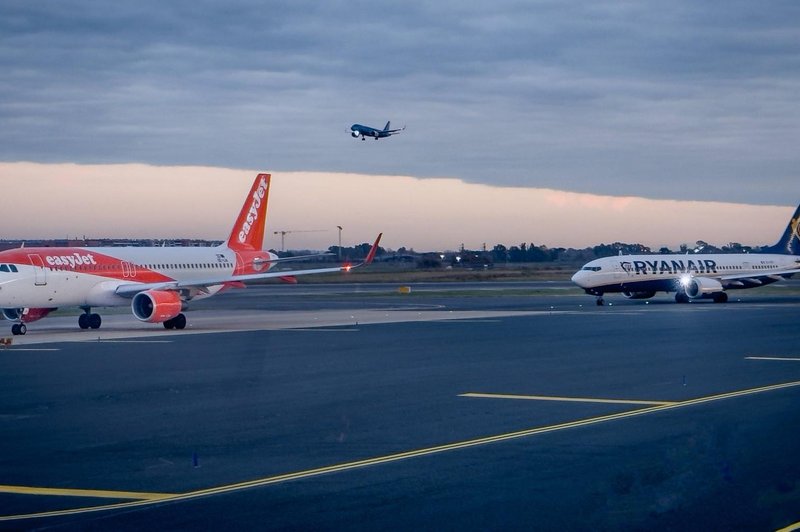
(4,268)
(592,268)
(13,268)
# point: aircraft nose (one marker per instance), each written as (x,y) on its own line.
(578,278)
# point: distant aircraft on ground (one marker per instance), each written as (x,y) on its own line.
(693,276)
(157,282)
(357,130)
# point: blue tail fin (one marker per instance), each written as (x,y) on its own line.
(388,124)
(789,244)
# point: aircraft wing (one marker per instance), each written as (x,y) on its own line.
(777,275)
(287,259)
(131,289)
(742,279)
(296,257)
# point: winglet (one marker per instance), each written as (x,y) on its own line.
(373,249)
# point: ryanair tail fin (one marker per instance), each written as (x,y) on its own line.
(387,126)
(248,231)
(789,244)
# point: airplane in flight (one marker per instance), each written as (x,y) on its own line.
(693,276)
(156,282)
(357,130)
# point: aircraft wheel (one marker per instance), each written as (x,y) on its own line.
(94,321)
(83,321)
(179,321)
(15,329)
(169,324)
(600,302)
(23,328)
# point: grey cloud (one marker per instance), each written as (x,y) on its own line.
(682,100)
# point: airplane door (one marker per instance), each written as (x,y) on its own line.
(128,269)
(39,271)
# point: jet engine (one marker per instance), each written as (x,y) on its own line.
(26,315)
(156,306)
(639,295)
(700,286)
(355,134)
(12,314)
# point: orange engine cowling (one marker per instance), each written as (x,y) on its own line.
(156,306)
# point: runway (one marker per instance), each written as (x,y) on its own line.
(481,407)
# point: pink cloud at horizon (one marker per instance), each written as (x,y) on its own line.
(142,201)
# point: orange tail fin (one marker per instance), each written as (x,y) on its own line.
(248,231)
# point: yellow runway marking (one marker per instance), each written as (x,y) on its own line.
(566,399)
(403,456)
(790,528)
(789,359)
(100,494)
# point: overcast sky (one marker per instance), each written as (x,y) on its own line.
(667,100)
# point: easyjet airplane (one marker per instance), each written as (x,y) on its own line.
(156,282)
(693,276)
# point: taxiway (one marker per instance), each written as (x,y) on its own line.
(355,407)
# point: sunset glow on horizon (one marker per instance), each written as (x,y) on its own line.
(142,201)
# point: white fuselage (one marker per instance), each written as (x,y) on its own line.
(661,272)
(57,277)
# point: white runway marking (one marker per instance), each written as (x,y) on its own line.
(788,359)
(30,349)
(320,329)
(102,341)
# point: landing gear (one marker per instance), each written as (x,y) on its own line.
(178,322)
(720,297)
(600,301)
(681,297)
(19,328)
(88,320)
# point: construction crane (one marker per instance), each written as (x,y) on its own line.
(284,233)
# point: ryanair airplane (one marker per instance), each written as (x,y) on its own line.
(693,276)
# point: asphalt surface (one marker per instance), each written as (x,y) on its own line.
(178,422)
